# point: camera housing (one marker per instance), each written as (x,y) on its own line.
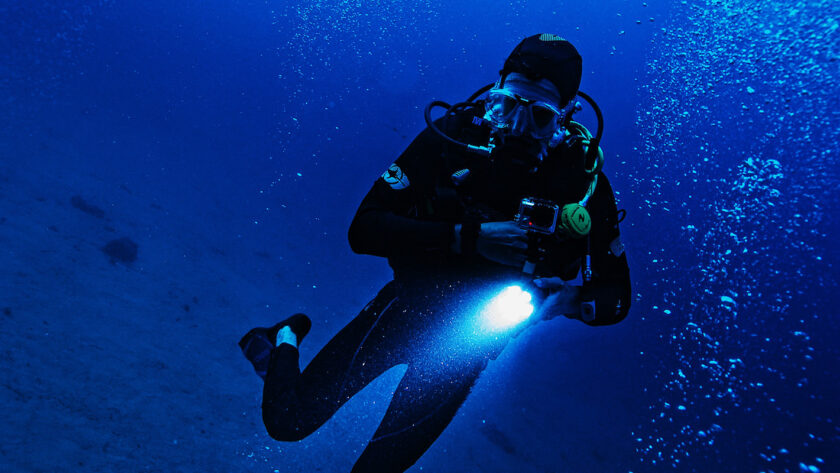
(537,215)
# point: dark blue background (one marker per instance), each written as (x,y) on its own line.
(264,124)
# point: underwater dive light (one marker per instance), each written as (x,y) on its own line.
(508,309)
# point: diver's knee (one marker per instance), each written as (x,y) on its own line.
(285,435)
(283,426)
(284,431)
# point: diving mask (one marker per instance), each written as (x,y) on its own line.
(524,108)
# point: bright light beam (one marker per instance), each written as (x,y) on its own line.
(508,309)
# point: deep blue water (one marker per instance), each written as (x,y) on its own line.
(257,127)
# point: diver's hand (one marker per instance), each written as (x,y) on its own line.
(563,299)
(503,242)
(549,283)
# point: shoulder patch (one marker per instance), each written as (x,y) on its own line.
(617,247)
(395,177)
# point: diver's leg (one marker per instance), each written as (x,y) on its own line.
(423,405)
(296,403)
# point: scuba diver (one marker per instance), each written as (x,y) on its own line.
(497,207)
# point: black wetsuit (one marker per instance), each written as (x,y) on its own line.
(420,318)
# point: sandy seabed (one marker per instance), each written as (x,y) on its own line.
(133,366)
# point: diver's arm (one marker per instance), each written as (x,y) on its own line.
(384,224)
(610,288)
(381,229)
(611,293)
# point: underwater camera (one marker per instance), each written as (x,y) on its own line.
(537,215)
